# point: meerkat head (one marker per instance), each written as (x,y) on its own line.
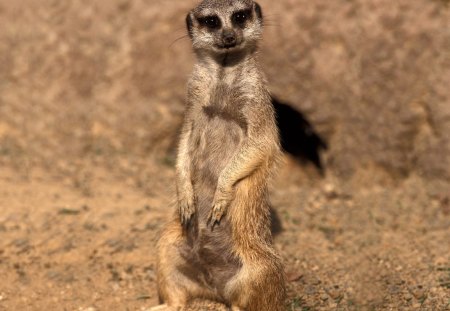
(225,26)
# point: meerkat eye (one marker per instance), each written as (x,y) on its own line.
(240,17)
(212,22)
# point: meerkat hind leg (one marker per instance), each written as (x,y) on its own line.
(177,287)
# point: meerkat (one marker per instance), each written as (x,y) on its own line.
(219,244)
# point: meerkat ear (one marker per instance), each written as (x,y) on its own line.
(258,11)
(189,24)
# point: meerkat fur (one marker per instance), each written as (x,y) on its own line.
(218,245)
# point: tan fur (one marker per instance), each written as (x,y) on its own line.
(219,245)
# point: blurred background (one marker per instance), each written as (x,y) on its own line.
(91,103)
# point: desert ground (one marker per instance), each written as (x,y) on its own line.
(91,103)
(88,242)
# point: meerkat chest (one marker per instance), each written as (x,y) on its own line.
(220,126)
(224,110)
(225,104)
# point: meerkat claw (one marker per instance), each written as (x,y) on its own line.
(210,219)
(216,214)
(186,213)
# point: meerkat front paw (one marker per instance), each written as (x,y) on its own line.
(222,200)
(186,206)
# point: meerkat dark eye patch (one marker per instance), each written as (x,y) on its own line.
(211,22)
(258,11)
(239,18)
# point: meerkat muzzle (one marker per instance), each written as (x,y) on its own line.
(229,39)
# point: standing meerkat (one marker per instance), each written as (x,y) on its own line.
(219,244)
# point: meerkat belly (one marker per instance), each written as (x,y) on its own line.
(215,144)
(211,251)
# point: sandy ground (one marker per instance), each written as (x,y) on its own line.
(68,244)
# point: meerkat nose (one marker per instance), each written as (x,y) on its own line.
(229,38)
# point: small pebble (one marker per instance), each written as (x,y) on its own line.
(310,290)
(419,292)
(330,191)
(334,292)
(408,297)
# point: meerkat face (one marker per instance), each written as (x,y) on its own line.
(225,26)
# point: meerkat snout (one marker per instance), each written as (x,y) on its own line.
(229,38)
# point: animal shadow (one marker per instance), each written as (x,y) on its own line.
(276,227)
(298,136)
